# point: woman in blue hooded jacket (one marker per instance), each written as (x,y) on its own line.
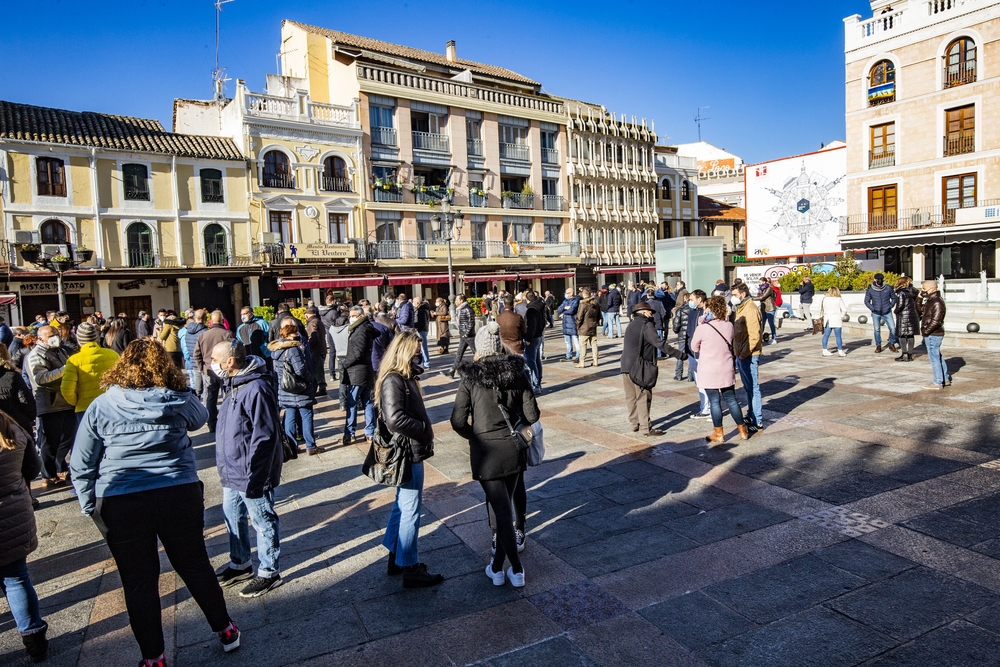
(135,473)
(289,353)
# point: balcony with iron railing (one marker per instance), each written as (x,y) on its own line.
(475,146)
(384,136)
(518,200)
(538,249)
(140,258)
(882,157)
(429,141)
(515,152)
(553,203)
(277,180)
(216,257)
(906,219)
(429,194)
(959,75)
(550,156)
(137,192)
(389,194)
(212,197)
(335,184)
(478,199)
(304,111)
(960,143)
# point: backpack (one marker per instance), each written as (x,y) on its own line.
(777,297)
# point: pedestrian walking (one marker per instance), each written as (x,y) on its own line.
(567,311)
(696,306)
(932,313)
(832,312)
(747,346)
(588,318)
(806,292)
(466,332)
(206,342)
(513,327)
(359,374)
(56,418)
(296,395)
(248,456)
(713,342)
(766,296)
(400,405)
(19,464)
(135,473)
(880,299)
(641,343)
(442,317)
(495,379)
(81,381)
(907,318)
(422,323)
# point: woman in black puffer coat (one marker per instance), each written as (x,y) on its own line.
(16,398)
(494,377)
(907,319)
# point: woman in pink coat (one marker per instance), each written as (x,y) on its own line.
(713,343)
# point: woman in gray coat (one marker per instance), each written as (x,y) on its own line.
(18,462)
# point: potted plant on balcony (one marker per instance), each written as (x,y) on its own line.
(507,196)
(526,190)
(83,253)
(60,262)
(30,252)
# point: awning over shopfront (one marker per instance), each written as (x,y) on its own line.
(497,277)
(328,283)
(938,237)
(624,269)
(426,279)
(7,299)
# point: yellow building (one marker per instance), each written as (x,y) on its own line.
(163,215)
(923,152)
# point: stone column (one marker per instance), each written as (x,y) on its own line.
(317,297)
(103,296)
(183,293)
(255,291)
(918,264)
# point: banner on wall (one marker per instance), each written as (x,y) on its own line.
(796,206)
(45,289)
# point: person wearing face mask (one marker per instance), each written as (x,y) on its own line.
(641,343)
(253,332)
(207,340)
(748,344)
(880,299)
(161,315)
(45,366)
(696,308)
(567,311)
(679,324)
(358,373)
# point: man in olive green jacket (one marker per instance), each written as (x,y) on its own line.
(747,346)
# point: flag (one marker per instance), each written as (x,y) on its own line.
(511,243)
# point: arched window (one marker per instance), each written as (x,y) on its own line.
(216,253)
(335,175)
(140,245)
(686,191)
(136,180)
(960,62)
(277,170)
(54,231)
(882,83)
(665,192)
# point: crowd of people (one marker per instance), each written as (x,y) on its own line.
(108,407)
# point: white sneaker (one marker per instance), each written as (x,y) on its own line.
(841,353)
(516,580)
(827,353)
(497,577)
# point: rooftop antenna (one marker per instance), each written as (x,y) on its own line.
(699,118)
(219,73)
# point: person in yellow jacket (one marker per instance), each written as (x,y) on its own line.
(168,336)
(81,381)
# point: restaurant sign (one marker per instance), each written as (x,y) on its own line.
(44,289)
(319,251)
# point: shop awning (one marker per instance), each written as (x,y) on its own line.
(909,240)
(624,269)
(7,299)
(425,279)
(329,283)
(496,277)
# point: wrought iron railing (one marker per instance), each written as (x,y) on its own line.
(212,197)
(475,146)
(959,75)
(550,156)
(269,180)
(391,194)
(477,200)
(882,157)
(384,136)
(518,200)
(268,253)
(216,258)
(335,184)
(553,203)
(960,143)
(430,194)
(138,258)
(137,192)
(906,219)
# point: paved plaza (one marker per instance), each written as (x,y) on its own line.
(860,529)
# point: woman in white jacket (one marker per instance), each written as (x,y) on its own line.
(832,312)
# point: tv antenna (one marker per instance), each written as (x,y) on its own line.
(699,118)
(219,73)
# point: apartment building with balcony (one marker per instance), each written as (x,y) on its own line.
(162,216)
(678,194)
(613,187)
(434,127)
(304,180)
(923,147)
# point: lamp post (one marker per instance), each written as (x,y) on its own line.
(448,226)
(805,239)
(58,263)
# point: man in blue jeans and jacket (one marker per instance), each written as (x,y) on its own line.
(880,299)
(248,455)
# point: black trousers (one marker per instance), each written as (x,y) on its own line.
(463,345)
(520,500)
(500,498)
(56,434)
(178,359)
(131,523)
(213,387)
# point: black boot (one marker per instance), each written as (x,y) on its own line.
(417,576)
(909,357)
(36,645)
(901,357)
(394,570)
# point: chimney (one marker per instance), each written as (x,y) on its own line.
(449,50)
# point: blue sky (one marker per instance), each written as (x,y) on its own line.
(773,79)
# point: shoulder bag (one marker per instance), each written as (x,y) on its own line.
(290,382)
(521,433)
(388,461)
(643,374)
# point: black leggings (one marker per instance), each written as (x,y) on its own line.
(520,499)
(500,497)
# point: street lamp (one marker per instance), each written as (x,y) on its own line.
(448,226)
(805,240)
(59,263)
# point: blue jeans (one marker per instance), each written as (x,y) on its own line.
(606,318)
(425,355)
(788,306)
(359,395)
(306,415)
(16,585)
(237,508)
(615,321)
(404,520)
(572,346)
(877,321)
(748,375)
(533,359)
(938,364)
(769,320)
(837,333)
(195,380)
(715,397)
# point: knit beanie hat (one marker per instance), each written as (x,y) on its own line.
(86,333)
(488,340)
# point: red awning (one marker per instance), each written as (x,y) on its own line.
(8,299)
(328,283)
(495,277)
(624,269)
(426,279)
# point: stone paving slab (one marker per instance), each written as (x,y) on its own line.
(858,529)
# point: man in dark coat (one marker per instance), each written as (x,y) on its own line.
(932,311)
(550,308)
(806,292)
(613,309)
(316,335)
(252,332)
(466,332)
(207,341)
(634,296)
(534,335)
(642,342)
(248,455)
(358,378)
(406,317)
(143,325)
(274,327)
(567,311)
(880,299)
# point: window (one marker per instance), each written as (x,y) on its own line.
(960,128)
(553,232)
(281,225)
(424,230)
(54,231)
(277,170)
(478,227)
(335,177)
(958,192)
(136,180)
(216,253)
(140,245)
(550,187)
(882,208)
(665,191)
(387,226)
(51,177)
(513,134)
(211,186)
(960,62)
(517,228)
(380,116)
(883,146)
(434,123)
(687,228)
(473,128)
(384,182)
(686,192)
(338,227)
(882,83)
(961,260)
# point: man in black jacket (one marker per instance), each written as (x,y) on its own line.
(550,308)
(806,292)
(358,374)
(642,342)
(613,310)
(466,332)
(534,317)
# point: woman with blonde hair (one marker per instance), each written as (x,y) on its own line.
(832,312)
(400,406)
(134,468)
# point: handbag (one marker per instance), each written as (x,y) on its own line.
(388,460)
(521,433)
(818,326)
(289,449)
(536,451)
(644,373)
(290,382)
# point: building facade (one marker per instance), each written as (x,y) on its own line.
(677,194)
(923,152)
(719,172)
(163,216)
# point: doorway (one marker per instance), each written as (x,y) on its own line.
(131,305)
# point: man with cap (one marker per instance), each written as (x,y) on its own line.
(641,343)
(881,299)
(81,380)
